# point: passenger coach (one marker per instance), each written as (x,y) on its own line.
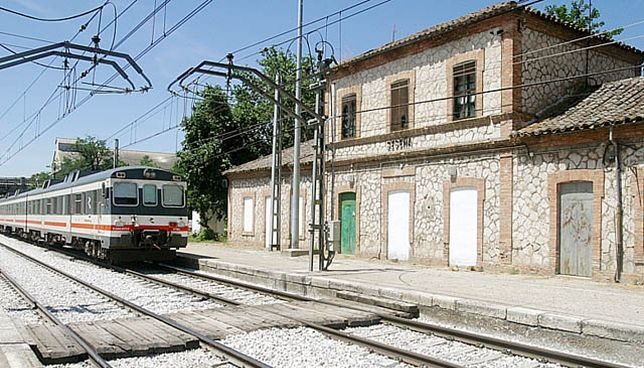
(125,214)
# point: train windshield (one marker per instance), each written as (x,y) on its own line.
(126,194)
(172,196)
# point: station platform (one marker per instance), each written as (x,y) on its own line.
(15,352)
(569,304)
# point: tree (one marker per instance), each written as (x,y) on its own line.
(580,15)
(36,180)
(205,155)
(219,135)
(92,155)
(148,161)
(253,109)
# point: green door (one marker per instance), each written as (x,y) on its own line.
(348,223)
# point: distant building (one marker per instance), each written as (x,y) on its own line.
(10,185)
(65,149)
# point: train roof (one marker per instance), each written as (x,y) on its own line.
(77,178)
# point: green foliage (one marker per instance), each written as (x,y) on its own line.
(147,161)
(36,180)
(580,15)
(206,234)
(252,109)
(205,156)
(92,155)
(219,135)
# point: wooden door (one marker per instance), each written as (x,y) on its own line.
(463,227)
(348,223)
(575,228)
(398,225)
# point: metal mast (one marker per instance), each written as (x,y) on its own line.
(295,188)
(276,175)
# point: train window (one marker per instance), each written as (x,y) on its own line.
(172,196)
(126,194)
(150,195)
(78,204)
(49,211)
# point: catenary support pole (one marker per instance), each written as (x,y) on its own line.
(274,221)
(295,190)
(116,154)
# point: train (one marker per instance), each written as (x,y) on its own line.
(120,215)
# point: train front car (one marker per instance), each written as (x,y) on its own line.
(145,215)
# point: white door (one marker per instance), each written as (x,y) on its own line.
(463,227)
(398,226)
(267,222)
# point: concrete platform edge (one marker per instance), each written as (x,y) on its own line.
(319,285)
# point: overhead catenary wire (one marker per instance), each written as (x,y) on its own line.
(6,157)
(62,19)
(382,108)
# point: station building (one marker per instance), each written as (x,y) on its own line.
(475,143)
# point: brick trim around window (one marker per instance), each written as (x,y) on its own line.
(339,95)
(243,196)
(464,182)
(568,176)
(474,55)
(411,76)
(342,189)
(392,187)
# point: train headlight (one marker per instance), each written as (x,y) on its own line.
(118,223)
(182,223)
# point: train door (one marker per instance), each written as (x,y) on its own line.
(100,209)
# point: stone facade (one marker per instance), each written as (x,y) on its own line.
(544,61)
(513,179)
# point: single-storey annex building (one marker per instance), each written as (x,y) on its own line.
(504,139)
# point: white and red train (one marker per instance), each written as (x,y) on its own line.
(124,214)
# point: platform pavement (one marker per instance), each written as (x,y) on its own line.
(562,303)
(14,351)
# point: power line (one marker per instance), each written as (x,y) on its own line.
(177,25)
(32,17)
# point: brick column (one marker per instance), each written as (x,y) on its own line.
(505,207)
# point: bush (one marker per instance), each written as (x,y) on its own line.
(206,234)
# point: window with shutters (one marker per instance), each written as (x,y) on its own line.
(349,116)
(464,75)
(400,105)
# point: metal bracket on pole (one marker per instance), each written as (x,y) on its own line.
(52,50)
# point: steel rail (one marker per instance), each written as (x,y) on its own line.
(93,355)
(517,348)
(235,357)
(406,356)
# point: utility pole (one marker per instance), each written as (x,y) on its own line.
(295,188)
(116,153)
(276,176)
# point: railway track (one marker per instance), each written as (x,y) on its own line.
(233,356)
(376,342)
(470,338)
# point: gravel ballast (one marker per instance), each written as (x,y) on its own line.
(452,351)
(199,358)
(305,347)
(67,300)
(157,298)
(242,296)
(15,306)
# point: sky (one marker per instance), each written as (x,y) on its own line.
(221,27)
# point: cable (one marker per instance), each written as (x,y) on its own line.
(177,25)
(295,28)
(25,37)
(15,12)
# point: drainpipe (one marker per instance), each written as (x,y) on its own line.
(620,211)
